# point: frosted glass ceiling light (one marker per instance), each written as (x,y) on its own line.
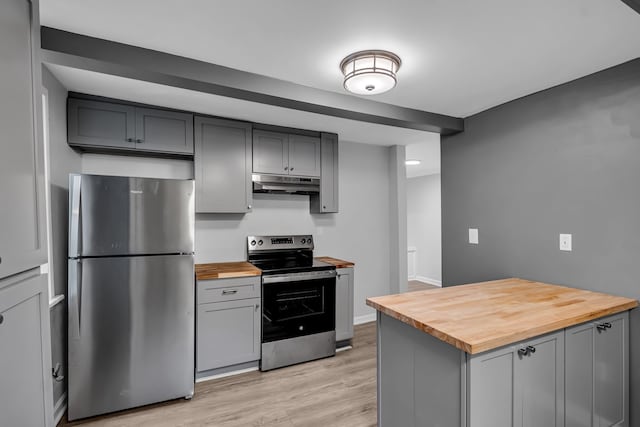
(370,72)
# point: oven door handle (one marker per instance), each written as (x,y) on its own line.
(298,277)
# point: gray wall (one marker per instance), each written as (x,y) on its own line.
(424,226)
(565,160)
(62,161)
(361,232)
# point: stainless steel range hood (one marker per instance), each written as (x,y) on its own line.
(263,183)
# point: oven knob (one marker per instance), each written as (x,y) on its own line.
(253,243)
(303,241)
(260,242)
(309,240)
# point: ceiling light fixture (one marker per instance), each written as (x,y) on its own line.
(370,72)
(412,162)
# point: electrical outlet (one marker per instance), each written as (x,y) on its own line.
(565,242)
(473,236)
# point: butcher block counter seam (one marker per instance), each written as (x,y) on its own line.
(225,270)
(338,263)
(483,316)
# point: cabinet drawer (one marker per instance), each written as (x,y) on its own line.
(219,290)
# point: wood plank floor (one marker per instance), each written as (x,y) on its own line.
(337,391)
(415,285)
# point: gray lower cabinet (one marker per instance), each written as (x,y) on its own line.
(344,306)
(520,385)
(111,125)
(222,165)
(597,373)
(25,347)
(285,154)
(228,328)
(22,245)
(327,200)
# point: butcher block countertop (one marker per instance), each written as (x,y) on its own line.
(225,270)
(338,263)
(483,316)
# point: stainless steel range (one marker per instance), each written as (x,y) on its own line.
(298,300)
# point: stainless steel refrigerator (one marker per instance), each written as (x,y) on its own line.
(130,293)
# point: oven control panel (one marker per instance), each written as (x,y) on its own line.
(263,243)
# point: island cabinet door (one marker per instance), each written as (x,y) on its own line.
(539,382)
(597,373)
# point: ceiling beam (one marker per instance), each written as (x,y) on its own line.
(633,4)
(108,57)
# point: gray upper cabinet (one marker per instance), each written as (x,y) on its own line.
(327,200)
(304,155)
(222,166)
(101,123)
(285,154)
(597,375)
(108,125)
(164,131)
(519,386)
(22,245)
(270,152)
(25,345)
(344,305)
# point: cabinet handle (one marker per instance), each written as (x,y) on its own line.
(139,141)
(1,319)
(129,139)
(229,291)
(607,325)
(286,168)
(531,349)
(523,351)
(248,206)
(604,326)
(257,307)
(324,207)
(291,169)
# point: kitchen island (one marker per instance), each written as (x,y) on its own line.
(507,353)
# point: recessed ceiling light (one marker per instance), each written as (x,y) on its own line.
(412,162)
(370,72)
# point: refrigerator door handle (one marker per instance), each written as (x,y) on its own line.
(75,297)
(75,182)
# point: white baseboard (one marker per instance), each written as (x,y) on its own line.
(59,408)
(227,374)
(428,280)
(359,320)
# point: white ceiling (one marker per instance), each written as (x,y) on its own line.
(459,56)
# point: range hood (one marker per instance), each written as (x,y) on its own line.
(263,183)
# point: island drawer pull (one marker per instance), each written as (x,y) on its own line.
(229,291)
(523,351)
(531,349)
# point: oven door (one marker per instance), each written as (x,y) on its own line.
(298,304)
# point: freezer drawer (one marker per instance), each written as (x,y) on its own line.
(112,215)
(131,332)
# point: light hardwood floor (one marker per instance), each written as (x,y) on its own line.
(337,391)
(415,285)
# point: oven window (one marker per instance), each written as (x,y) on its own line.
(297,308)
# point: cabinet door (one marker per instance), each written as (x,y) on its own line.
(25,351)
(491,388)
(611,371)
(270,152)
(100,124)
(164,131)
(22,245)
(327,200)
(344,304)
(228,333)
(539,383)
(222,166)
(579,375)
(304,155)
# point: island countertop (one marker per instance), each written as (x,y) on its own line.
(482,316)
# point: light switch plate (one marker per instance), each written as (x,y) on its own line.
(473,236)
(565,242)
